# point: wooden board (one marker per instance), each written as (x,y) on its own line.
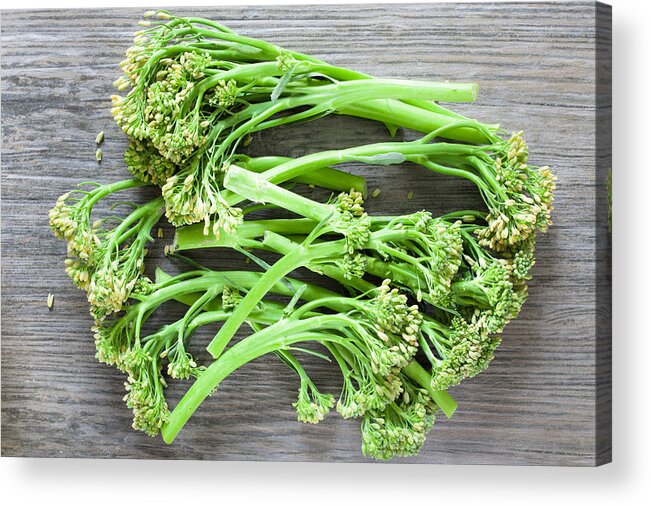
(546,397)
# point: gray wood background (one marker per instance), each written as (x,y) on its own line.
(535,65)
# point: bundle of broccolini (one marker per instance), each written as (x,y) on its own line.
(426,298)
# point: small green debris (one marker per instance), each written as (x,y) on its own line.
(410,195)
(376,193)
(100,138)
(50,301)
(98,155)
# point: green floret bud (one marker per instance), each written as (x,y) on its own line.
(467,351)
(129,115)
(182,365)
(527,205)
(231,297)
(143,286)
(354,229)
(154,110)
(350,203)
(224,95)
(400,429)
(285,61)
(523,260)
(195,63)
(388,328)
(108,344)
(351,221)
(109,289)
(135,359)
(146,164)
(364,390)
(70,220)
(190,200)
(393,317)
(429,254)
(311,405)
(489,286)
(150,411)
(353,266)
(78,272)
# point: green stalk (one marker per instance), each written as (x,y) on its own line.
(152,211)
(299,257)
(246,280)
(328,178)
(267,340)
(102,191)
(192,237)
(299,167)
(334,96)
(256,188)
(415,118)
(240,354)
(443,399)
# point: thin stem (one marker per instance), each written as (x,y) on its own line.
(442,399)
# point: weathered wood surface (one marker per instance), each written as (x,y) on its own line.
(535,65)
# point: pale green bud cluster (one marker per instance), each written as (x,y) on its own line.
(72,223)
(400,429)
(150,411)
(351,220)
(183,366)
(190,200)
(527,205)
(367,391)
(225,94)
(285,61)
(352,265)
(147,164)
(311,405)
(470,347)
(231,297)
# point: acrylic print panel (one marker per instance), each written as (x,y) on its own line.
(540,68)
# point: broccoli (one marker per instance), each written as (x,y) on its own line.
(371,338)
(106,263)
(195,97)
(424,299)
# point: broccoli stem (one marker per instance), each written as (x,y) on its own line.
(326,177)
(192,237)
(416,118)
(102,191)
(270,339)
(332,97)
(257,189)
(416,152)
(424,379)
(243,280)
(298,257)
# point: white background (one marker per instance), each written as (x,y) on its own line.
(625,481)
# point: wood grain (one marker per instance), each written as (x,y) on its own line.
(535,65)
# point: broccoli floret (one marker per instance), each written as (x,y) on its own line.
(525,199)
(147,164)
(106,263)
(464,349)
(399,429)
